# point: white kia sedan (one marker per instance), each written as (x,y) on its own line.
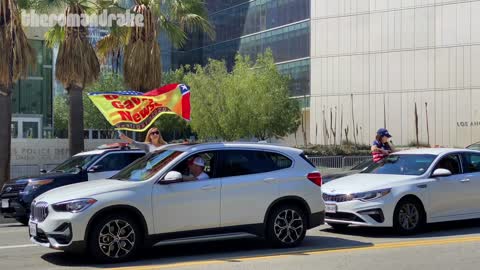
(407,190)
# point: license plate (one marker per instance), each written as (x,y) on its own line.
(5,203)
(33,229)
(331,208)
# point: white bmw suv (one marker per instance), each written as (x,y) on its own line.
(253,190)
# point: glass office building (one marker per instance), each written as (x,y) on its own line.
(250,27)
(32,97)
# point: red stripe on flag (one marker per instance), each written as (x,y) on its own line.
(186,110)
(162,90)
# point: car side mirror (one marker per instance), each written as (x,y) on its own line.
(43,171)
(441,172)
(172,177)
(96,168)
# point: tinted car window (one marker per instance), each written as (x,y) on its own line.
(472,162)
(243,162)
(71,164)
(118,161)
(402,165)
(475,146)
(451,163)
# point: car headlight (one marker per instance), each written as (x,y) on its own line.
(73,206)
(371,195)
(35,184)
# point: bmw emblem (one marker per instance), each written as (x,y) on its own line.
(8,189)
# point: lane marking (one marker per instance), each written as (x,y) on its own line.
(388,245)
(9,224)
(18,246)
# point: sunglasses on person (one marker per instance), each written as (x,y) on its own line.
(155,133)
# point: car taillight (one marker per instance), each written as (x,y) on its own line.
(316,178)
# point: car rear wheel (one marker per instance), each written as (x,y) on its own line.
(114,238)
(287,226)
(409,217)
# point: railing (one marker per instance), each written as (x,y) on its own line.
(338,161)
(29,170)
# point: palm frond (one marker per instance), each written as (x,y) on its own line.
(54,36)
(116,40)
(175,34)
(17,54)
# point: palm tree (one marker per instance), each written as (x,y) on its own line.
(142,59)
(77,64)
(17,56)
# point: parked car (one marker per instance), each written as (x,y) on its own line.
(355,169)
(253,190)
(475,146)
(17,194)
(409,189)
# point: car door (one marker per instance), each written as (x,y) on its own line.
(112,163)
(471,166)
(248,187)
(448,194)
(190,205)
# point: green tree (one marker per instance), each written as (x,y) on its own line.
(251,101)
(16,56)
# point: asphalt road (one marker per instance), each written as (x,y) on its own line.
(453,245)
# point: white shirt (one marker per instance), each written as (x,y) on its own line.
(203,176)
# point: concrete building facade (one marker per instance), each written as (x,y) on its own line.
(412,66)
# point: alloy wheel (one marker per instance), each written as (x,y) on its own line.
(116,238)
(408,216)
(288,226)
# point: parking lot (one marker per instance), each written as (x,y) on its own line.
(452,245)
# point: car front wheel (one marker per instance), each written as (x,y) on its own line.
(408,217)
(114,238)
(287,226)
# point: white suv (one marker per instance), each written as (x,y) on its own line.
(253,189)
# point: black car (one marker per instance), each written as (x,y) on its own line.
(17,194)
(356,169)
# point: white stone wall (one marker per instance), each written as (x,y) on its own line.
(44,152)
(381,57)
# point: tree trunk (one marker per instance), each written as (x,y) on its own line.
(75,120)
(5,134)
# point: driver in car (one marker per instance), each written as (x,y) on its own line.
(196,167)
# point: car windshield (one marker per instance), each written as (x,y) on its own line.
(146,167)
(406,164)
(71,165)
(362,165)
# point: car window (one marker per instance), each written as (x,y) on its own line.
(117,161)
(406,164)
(146,167)
(208,157)
(471,162)
(243,162)
(451,163)
(71,164)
